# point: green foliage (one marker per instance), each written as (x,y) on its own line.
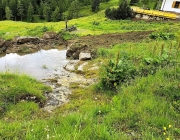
(117,73)
(122,12)
(73,11)
(95,5)
(56,15)
(164,36)
(47,12)
(30,12)
(8,13)
(20,9)
(134,2)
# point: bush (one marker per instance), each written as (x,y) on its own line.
(163,36)
(117,72)
(124,11)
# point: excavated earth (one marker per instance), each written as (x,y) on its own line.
(107,40)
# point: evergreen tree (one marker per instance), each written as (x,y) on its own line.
(20,9)
(8,13)
(133,2)
(40,10)
(74,8)
(1,10)
(13,7)
(56,15)
(30,12)
(124,11)
(47,12)
(95,5)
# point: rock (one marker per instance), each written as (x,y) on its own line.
(70,66)
(50,35)
(80,68)
(84,56)
(1,42)
(74,51)
(26,39)
(5,45)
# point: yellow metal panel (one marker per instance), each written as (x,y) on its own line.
(155,13)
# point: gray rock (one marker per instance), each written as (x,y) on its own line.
(80,68)
(74,50)
(26,39)
(70,66)
(84,56)
(49,35)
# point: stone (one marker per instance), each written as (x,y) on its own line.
(50,35)
(80,68)
(73,51)
(26,39)
(84,56)
(5,45)
(70,66)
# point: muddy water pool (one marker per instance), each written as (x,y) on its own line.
(38,65)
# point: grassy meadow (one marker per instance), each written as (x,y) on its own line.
(145,107)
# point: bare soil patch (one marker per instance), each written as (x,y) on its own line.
(90,44)
(107,40)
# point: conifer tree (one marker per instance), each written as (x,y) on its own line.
(95,5)
(56,15)
(20,9)
(13,7)
(74,8)
(30,12)
(47,12)
(8,13)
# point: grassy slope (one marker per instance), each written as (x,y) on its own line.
(138,111)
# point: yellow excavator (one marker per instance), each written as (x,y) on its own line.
(155,14)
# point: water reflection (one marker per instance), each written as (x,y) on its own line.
(38,65)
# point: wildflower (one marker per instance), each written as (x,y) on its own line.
(164,133)
(167,139)
(165,128)
(170,126)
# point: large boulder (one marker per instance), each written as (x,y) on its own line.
(74,51)
(50,35)
(26,39)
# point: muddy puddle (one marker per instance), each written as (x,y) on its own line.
(38,65)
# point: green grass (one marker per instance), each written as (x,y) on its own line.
(85,26)
(147,108)
(136,112)
(18,88)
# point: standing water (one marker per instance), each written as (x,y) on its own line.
(38,65)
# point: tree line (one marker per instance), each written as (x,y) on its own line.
(49,10)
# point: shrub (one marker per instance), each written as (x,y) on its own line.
(163,36)
(124,11)
(117,72)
